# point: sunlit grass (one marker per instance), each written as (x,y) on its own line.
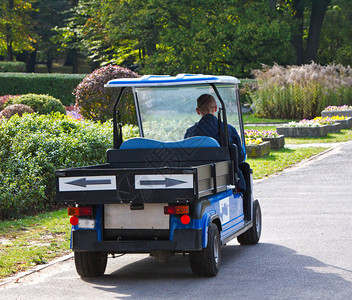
(251,118)
(32,241)
(278,160)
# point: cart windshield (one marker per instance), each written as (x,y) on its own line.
(165,113)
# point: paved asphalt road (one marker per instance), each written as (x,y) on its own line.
(305,251)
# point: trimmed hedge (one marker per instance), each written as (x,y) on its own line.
(12,66)
(60,86)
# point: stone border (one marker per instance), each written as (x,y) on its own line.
(334,128)
(275,142)
(345,124)
(303,131)
(339,113)
(258,150)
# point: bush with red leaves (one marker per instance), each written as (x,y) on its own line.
(96,102)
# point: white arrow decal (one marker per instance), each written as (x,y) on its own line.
(87,183)
(164,181)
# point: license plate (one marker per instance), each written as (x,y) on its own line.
(86,223)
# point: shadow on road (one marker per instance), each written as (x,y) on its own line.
(263,271)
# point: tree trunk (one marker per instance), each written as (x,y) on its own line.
(319,8)
(297,39)
(49,63)
(9,36)
(30,68)
(74,61)
(272,4)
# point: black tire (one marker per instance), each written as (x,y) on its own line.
(207,261)
(90,264)
(252,235)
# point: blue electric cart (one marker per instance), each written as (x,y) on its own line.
(160,193)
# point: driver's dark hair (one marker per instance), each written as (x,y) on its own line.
(205,103)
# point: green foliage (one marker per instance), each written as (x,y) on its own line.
(33,147)
(15,27)
(336,36)
(96,102)
(60,86)
(43,104)
(165,37)
(14,109)
(301,92)
(12,66)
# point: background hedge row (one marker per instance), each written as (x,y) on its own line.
(60,86)
(12,66)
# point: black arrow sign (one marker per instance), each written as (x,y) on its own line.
(83,182)
(167,182)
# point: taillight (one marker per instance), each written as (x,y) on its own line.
(80,211)
(74,220)
(176,210)
(185,219)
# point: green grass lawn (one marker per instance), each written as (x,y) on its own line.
(33,240)
(250,118)
(278,160)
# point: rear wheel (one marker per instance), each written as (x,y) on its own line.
(252,235)
(206,262)
(90,264)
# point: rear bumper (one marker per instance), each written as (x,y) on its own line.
(184,240)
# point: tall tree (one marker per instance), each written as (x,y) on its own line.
(16,32)
(318,11)
(315,11)
(336,36)
(46,15)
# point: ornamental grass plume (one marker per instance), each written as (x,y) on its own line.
(298,92)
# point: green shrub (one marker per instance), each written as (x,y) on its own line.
(60,86)
(96,102)
(14,109)
(33,147)
(43,104)
(299,92)
(12,66)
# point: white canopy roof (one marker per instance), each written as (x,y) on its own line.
(167,80)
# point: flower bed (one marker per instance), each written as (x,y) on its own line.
(340,111)
(276,141)
(333,127)
(303,128)
(255,147)
(345,122)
